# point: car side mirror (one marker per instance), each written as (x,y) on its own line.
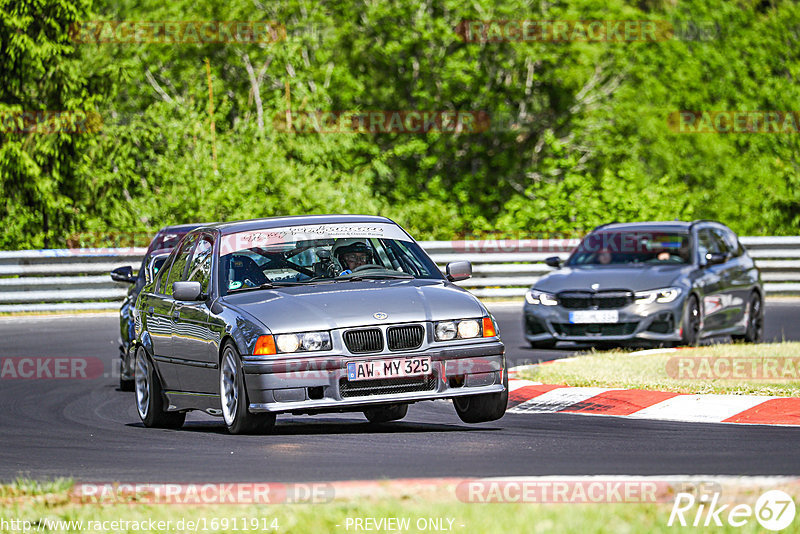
(123,274)
(553,261)
(186,290)
(715,258)
(458,270)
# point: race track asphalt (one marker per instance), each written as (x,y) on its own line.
(89,430)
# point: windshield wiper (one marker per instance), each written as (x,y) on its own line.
(376,276)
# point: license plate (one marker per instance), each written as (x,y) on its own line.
(394,368)
(594,316)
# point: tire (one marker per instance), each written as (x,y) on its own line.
(755,321)
(233,397)
(126,381)
(384,414)
(546,344)
(690,330)
(150,396)
(483,408)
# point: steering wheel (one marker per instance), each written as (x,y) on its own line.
(367,266)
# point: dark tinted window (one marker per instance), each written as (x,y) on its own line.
(162,274)
(179,265)
(200,264)
(626,247)
(709,242)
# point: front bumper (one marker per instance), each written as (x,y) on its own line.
(637,322)
(317,383)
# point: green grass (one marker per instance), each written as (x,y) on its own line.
(682,371)
(31,501)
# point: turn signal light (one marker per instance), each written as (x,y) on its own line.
(265,345)
(488,327)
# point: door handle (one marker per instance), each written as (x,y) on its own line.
(150,310)
(176,314)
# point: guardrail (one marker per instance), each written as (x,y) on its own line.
(78,279)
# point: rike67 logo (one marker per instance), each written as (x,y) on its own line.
(774,510)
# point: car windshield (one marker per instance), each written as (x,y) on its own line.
(325,253)
(632,247)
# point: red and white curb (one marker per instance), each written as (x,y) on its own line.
(526,397)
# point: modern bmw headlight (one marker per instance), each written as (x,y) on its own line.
(303,342)
(464,329)
(534,296)
(663,296)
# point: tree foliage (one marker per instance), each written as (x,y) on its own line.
(579,130)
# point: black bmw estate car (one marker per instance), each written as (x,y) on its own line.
(662,283)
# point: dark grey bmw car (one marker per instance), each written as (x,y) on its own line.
(658,283)
(307,315)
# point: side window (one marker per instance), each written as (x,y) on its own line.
(179,265)
(200,264)
(732,241)
(163,273)
(706,244)
(725,246)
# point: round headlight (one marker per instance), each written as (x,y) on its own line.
(446,331)
(469,328)
(312,341)
(287,342)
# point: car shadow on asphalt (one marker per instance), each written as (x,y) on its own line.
(310,428)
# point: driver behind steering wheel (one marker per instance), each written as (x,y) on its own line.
(353,256)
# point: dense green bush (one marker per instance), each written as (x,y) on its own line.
(579,132)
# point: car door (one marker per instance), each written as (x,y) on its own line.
(711,283)
(192,340)
(736,277)
(161,315)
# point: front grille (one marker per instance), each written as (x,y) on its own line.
(364,340)
(595,329)
(603,300)
(405,337)
(386,386)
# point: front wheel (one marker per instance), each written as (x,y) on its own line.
(485,407)
(150,395)
(690,331)
(384,414)
(755,322)
(233,397)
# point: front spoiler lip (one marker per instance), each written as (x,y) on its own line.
(355,402)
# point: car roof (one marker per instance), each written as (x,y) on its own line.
(295,220)
(187,227)
(650,226)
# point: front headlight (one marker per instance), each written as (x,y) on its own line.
(459,329)
(534,296)
(662,296)
(303,342)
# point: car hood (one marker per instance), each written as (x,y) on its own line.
(630,278)
(349,304)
